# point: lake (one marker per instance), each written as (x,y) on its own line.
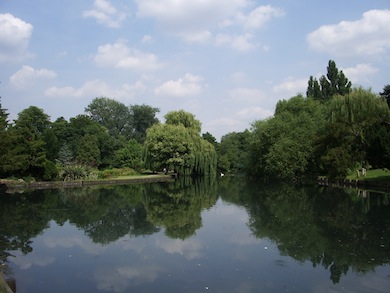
(214,235)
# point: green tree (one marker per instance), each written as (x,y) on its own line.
(88,151)
(111,114)
(5,142)
(283,146)
(386,94)
(29,152)
(142,117)
(177,145)
(351,121)
(327,86)
(129,156)
(233,151)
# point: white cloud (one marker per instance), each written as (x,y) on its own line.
(253,113)
(119,55)
(97,88)
(147,39)
(14,38)
(105,13)
(369,35)
(258,16)
(241,42)
(189,85)
(202,21)
(28,76)
(247,94)
(291,87)
(361,73)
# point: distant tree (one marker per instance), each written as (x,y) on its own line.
(142,117)
(129,156)
(283,146)
(233,151)
(327,86)
(88,152)
(29,152)
(113,115)
(5,142)
(386,94)
(177,145)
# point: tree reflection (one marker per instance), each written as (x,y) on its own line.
(327,226)
(177,206)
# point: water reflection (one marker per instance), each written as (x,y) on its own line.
(226,232)
(338,229)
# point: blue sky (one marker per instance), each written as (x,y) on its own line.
(226,61)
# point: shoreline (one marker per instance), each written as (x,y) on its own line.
(17,185)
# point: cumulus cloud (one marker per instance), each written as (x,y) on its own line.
(205,21)
(96,88)
(119,55)
(105,13)
(259,16)
(241,42)
(28,76)
(15,35)
(291,87)
(360,73)
(189,85)
(369,35)
(247,94)
(254,113)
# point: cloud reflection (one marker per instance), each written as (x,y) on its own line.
(121,278)
(189,248)
(27,261)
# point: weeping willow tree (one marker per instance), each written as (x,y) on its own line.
(346,140)
(177,145)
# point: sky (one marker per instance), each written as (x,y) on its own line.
(228,62)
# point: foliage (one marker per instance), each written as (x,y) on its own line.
(75,172)
(283,146)
(232,152)
(129,156)
(386,94)
(333,83)
(142,117)
(51,172)
(178,146)
(111,114)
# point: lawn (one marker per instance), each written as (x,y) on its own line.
(377,175)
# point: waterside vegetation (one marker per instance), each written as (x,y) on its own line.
(333,131)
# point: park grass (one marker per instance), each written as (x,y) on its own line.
(373,175)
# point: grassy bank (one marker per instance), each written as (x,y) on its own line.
(374,175)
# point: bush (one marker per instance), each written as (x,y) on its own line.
(51,172)
(75,172)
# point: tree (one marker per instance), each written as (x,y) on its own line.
(5,142)
(386,94)
(142,117)
(29,152)
(177,145)
(113,115)
(129,156)
(352,121)
(233,151)
(283,146)
(327,86)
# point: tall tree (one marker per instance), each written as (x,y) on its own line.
(386,94)
(327,86)
(29,152)
(113,115)
(177,145)
(142,117)
(5,142)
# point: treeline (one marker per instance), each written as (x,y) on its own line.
(333,130)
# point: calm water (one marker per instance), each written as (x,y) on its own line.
(218,236)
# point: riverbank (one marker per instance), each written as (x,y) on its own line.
(15,185)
